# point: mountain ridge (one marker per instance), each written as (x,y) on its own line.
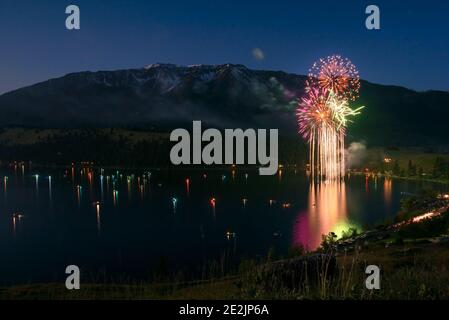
(227,95)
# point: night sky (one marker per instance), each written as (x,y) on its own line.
(411,49)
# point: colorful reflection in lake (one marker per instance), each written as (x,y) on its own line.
(326,211)
(123,222)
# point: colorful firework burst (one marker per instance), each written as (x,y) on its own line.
(323,108)
(324,112)
(340,111)
(335,74)
(314,112)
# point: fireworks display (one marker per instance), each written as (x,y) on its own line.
(323,114)
(335,74)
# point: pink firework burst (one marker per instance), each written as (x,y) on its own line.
(313,112)
(335,74)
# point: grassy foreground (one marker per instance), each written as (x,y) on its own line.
(408,271)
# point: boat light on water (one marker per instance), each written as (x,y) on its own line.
(230,235)
(18,215)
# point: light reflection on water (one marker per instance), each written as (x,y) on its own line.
(388,191)
(125,221)
(326,212)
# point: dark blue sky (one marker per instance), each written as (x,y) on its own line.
(411,49)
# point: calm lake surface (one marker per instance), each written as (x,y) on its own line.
(125,223)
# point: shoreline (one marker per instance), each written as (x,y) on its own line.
(383,175)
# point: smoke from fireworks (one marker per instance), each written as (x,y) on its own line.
(323,115)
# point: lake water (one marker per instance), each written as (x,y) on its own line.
(125,223)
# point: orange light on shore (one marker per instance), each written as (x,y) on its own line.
(424,216)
